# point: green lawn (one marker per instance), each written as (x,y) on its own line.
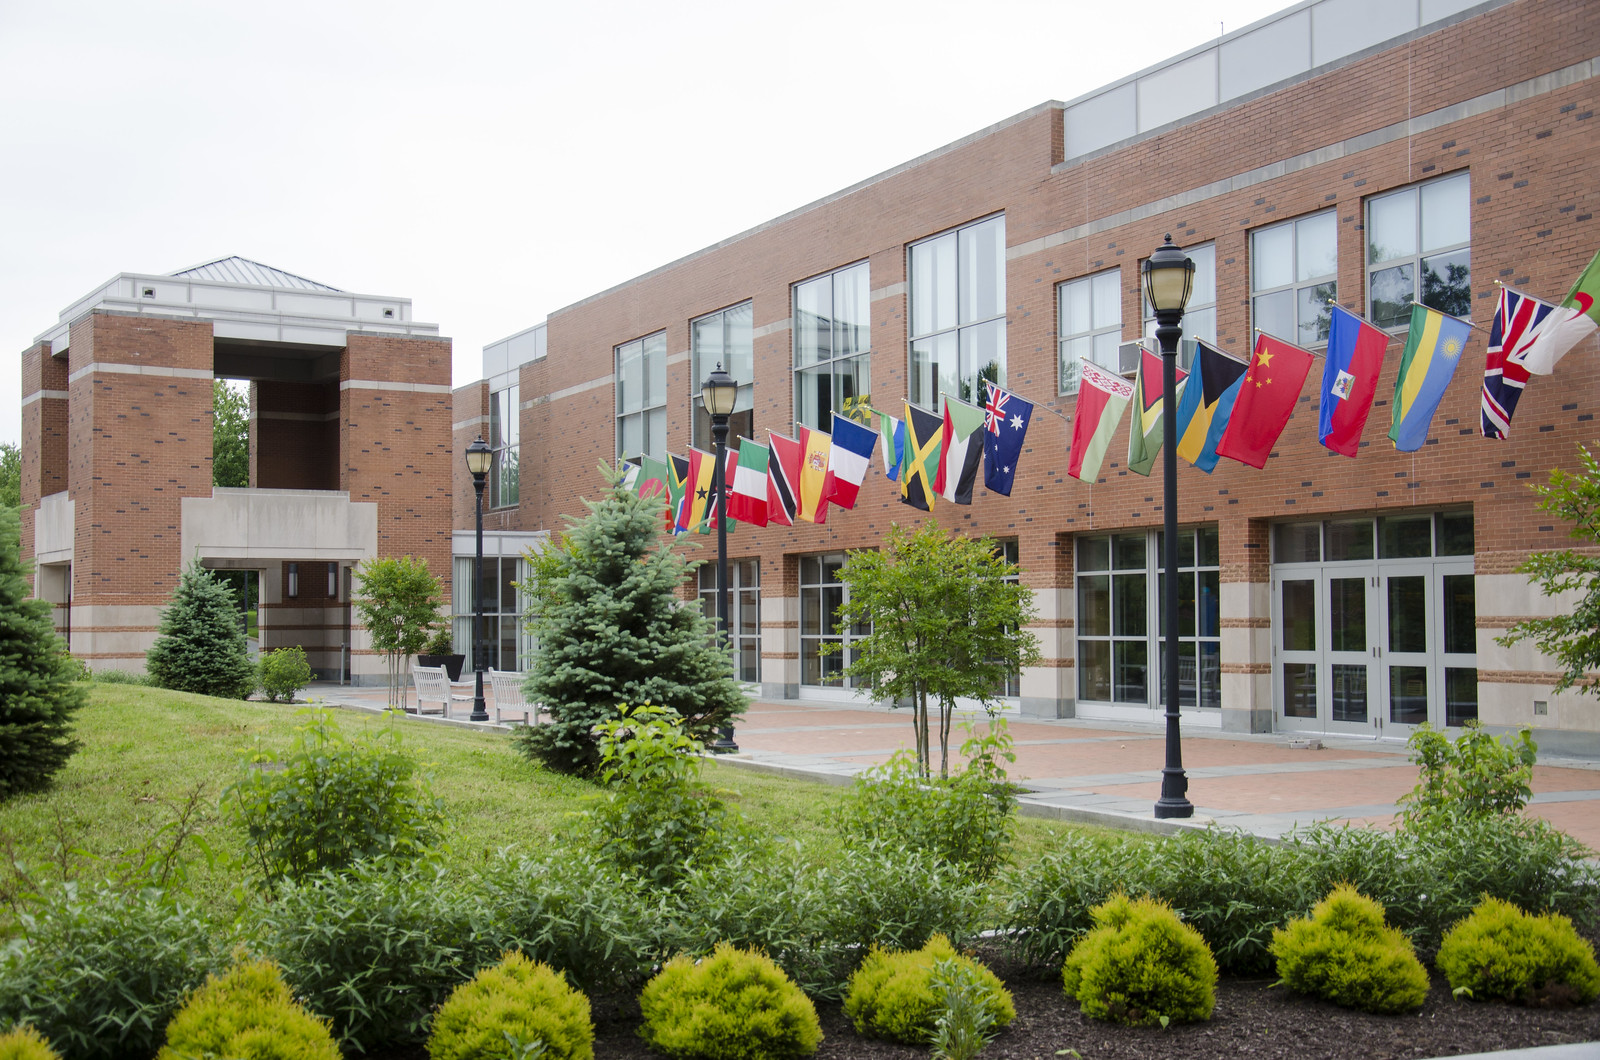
(144,750)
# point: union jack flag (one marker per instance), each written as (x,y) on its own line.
(994,409)
(1517,320)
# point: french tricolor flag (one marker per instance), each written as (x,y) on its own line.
(849,459)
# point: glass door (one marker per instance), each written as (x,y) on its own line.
(1409,685)
(1298,657)
(1349,650)
(1324,655)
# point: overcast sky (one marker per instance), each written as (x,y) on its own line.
(492,162)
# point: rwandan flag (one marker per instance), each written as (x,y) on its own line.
(1146,430)
(1433,349)
(923,433)
(1206,405)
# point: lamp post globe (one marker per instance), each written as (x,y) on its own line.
(479,459)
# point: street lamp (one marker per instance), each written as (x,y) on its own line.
(718,394)
(479,457)
(1168,278)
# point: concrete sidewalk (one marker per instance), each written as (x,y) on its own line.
(1104,773)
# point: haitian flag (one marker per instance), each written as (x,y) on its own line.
(1349,380)
(1573,321)
(1517,320)
(783,479)
(1005,425)
(923,431)
(1207,405)
(1147,430)
(961,448)
(1266,401)
(1102,398)
(848,460)
(1433,350)
(894,444)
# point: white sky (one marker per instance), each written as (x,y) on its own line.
(491,162)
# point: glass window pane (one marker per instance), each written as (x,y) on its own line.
(1186,604)
(705,335)
(1408,613)
(1129,552)
(933,369)
(1297,542)
(1446,213)
(1075,307)
(813,327)
(1210,604)
(1392,227)
(740,342)
(1460,695)
(1210,675)
(630,378)
(1128,605)
(1349,692)
(1209,550)
(655,432)
(655,358)
(852,310)
(983,269)
(1408,695)
(1347,617)
(1274,314)
(1106,350)
(1453,534)
(1392,292)
(1094,670)
(1106,294)
(1272,257)
(1300,690)
(1404,536)
(1132,659)
(1201,324)
(1094,605)
(1447,283)
(1316,312)
(983,354)
(814,396)
(1094,553)
(1299,615)
(852,379)
(1316,252)
(631,431)
(1350,540)
(1204,291)
(1460,613)
(933,285)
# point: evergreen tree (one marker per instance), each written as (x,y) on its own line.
(612,630)
(38,692)
(199,646)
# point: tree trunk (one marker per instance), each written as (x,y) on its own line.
(946,710)
(924,752)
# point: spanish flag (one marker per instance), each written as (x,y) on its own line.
(814,481)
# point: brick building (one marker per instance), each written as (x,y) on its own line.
(350,406)
(1339,149)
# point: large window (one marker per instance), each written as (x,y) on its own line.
(1089,317)
(744,612)
(1419,250)
(508,645)
(1200,315)
(832,337)
(726,338)
(1293,279)
(821,596)
(958,312)
(642,397)
(504,438)
(1120,619)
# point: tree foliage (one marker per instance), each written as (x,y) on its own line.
(230,436)
(1572,637)
(946,625)
(199,645)
(398,601)
(10,475)
(37,691)
(611,630)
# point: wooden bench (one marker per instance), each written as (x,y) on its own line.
(433,686)
(509,698)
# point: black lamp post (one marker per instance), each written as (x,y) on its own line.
(479,457)
(1168,278)
(719,393)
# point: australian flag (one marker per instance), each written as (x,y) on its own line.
(1517,320)
(1005,425)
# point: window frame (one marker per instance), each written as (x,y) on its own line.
(744,612)
(1422,253)
(810,642)
(969,389)
(1064,384)
(741,424)
(1296,284)
(858,361)
(658,340)
(505,445)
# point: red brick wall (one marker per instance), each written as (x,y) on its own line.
(44,435)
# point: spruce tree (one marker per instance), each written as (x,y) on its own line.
(612,630)
(38,693)
(199,646)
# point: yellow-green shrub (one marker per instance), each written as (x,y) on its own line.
(25,1043)
(1347,954)
(732,1005)
(247,1014)
(1499,951)
(1140,965)
(892,994)
(518,998)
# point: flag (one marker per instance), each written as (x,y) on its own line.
(677,486)
(1146,431)
(1349,380)
(783,479)
(1572,322)
(729,473)
(961,449)
(630,474)
(894,444)
(848,460)
(1433,350)
(1005,425)
(814,484)
(1266,400)
(747,500)
(652,478)
(923,431)
(696,509)
(1518,319)
(1102,397)
(1207,405)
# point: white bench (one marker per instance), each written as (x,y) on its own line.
(433,686)
(509,698)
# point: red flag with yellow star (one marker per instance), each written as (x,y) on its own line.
(1270,390)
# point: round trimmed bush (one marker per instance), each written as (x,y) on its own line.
(892,994)
(25,1043)
(732,1005)
(1141,964)
(516,1000)
(1500,951)
(247,1014)
(1347,954)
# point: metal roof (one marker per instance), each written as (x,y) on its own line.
(243,270)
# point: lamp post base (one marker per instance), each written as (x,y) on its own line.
(1173,801)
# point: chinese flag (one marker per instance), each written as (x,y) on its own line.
(1270,389)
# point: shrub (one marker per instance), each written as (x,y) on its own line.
(965,1023)
(199,646)
(282,673)
(247,1014)
(25,1043)
(333,801)
(1141,966)
(38,679)
(1501,951)
(119,677)
(1346,954)
(508,1007)
(100,971)
(378,947)
(892,995)
(732,1005)
(1477,775)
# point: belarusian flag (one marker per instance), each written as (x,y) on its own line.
(747,501)
(1102,396)
(1147,429)
(961,451)
(1574,320)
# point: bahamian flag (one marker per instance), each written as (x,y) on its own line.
(1207,403)
(1146,428)
(1433,350)
(923,431)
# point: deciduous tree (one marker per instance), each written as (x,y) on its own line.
(398,601)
